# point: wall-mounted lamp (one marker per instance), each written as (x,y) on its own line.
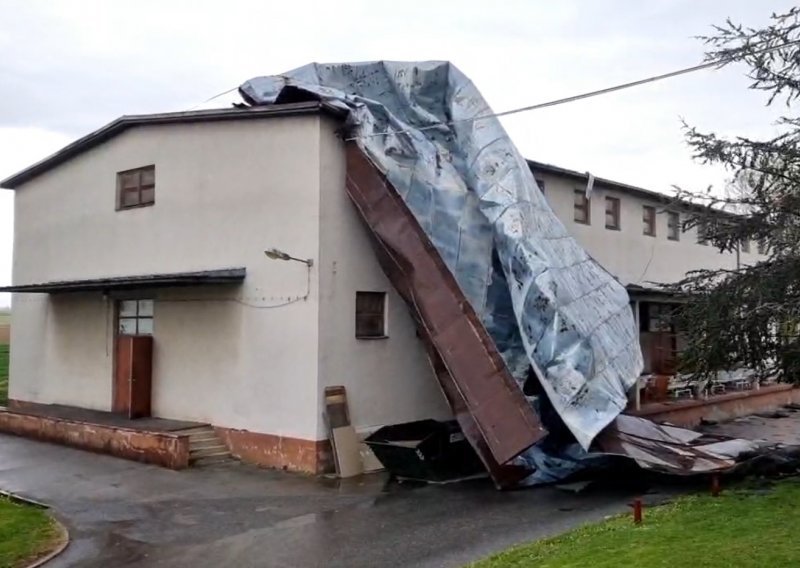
(276,254)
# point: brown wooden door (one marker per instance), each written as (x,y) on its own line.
(133,376)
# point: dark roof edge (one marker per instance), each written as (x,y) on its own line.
(127,121)
(219,276)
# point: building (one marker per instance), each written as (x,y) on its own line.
(219,249)
(637,235)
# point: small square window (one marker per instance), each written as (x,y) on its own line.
(370,315)
(135,317)
(649,221)
(673,226)
(136,188)
(612,213)
(582,213)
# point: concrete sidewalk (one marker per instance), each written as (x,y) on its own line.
(121,513)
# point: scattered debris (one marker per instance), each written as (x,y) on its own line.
(344,440)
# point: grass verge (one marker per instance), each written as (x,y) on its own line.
(26,533)
(743,528)
(3,374)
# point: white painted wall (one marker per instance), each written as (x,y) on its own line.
(225,191)
(388,381)
(628,254)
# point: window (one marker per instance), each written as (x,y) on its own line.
(656,317)
(745,245)
(135,317)
(673,226)
(370,315)
(582,214)
(702,233)
(136,188)
(649,220)
(612,213)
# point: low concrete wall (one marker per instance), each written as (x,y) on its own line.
(158,448)
(279,452)
(689,413)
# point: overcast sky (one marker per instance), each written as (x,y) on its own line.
(69,67)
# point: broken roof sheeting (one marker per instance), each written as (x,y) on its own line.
(543,300)
(669,449)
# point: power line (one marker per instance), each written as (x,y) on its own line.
(582,96)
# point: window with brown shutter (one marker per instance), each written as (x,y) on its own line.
(581,206)
(136,188)
(370,315)
(649,220)
(673,226)
(612,213)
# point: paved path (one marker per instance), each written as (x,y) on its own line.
(121,513)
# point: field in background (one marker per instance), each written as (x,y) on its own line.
(5,337)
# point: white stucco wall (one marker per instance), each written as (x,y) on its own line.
(631,256)
(388,381)
(225,191)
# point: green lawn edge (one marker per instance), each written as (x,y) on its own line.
(742,527)
(27,533)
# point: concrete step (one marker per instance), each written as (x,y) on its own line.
(209,452)
(213,460)
(205,444)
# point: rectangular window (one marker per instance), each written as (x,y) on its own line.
(745,245)
(612,213)
(370,315)
(702,233)
(582,213)
(136,188)
(673,226)
(135,317)
(649,220)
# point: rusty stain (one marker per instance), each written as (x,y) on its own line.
(491,409)
(281,452)
(158,448)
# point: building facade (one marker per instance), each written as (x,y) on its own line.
(157,226)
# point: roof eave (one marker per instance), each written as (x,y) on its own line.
(128,121)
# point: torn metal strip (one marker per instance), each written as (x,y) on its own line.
(490,407)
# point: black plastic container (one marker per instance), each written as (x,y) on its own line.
(425,450)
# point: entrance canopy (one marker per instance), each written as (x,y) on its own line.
(221,276)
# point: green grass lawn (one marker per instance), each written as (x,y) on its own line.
(26,533)
(740,528)
(3,375)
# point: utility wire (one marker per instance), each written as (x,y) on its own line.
(573,98)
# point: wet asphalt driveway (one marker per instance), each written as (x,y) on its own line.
(121,513)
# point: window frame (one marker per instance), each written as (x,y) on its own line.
(615,213)
(138,316)
(361,314)
(584,206)
(139,188)
(649,221)
(673,229)
(702,233)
